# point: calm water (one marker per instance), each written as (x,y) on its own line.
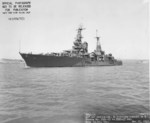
(63,95)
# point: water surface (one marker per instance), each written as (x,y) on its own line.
(63,95)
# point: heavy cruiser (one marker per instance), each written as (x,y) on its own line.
(78,56)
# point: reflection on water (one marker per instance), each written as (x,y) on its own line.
(63,95)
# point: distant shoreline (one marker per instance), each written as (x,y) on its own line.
(9,59)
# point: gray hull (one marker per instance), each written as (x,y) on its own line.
(36,60)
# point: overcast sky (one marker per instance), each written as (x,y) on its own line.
(51,27)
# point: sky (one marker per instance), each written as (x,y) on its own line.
(51,27)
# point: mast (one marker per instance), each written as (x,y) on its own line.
(98,45)
(19,46)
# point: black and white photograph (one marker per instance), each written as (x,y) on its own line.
(74,61)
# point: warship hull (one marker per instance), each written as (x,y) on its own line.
(38,60)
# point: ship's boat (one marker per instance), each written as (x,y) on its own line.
(77,56)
